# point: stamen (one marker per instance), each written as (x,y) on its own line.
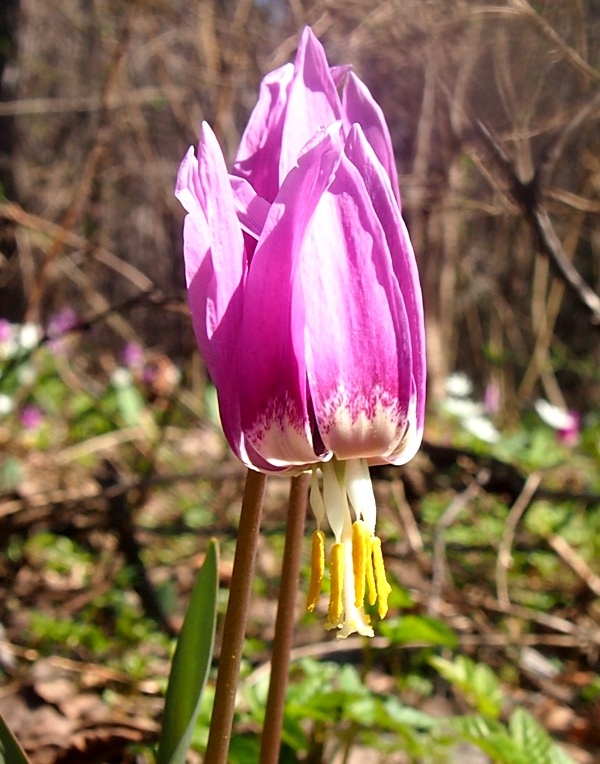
(360,560)
(371,576)
(317,568)
(336,573)
(383,587)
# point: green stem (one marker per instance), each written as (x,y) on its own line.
(234,628)
(284,624)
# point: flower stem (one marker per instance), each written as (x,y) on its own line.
(234,628)
(284,624)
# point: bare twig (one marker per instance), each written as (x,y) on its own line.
(528,195)
(504,558)
(566,552)
(409,524)
(450,514)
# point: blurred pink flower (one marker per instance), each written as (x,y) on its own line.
(6,330)
(31,417)
(133,355)
(491,399)
(569,435)
(59,326)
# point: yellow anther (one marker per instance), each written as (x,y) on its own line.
(336,572)
(371,576)
(383,588)
(360,559)
(317,567)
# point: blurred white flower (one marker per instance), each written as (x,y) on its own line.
(6,404)
(26,374)
(458,385)
(28,335)
(566,422)
(554,416)
(471,414)
(121,377)
(462,408)
(482,428)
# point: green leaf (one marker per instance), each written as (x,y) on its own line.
(476,681)
(531,738)
(191,663)
(10,751)
(559,756)
(130,404)
(490,736)
(418,628)
(400,715)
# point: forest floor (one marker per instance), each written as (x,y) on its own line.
(491,562)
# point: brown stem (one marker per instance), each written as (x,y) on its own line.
(234,628)
(284,624)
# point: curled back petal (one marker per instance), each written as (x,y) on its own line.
(252,209)
(215,272)
(187,188)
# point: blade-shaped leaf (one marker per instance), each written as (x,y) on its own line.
(10,751)
(191,663)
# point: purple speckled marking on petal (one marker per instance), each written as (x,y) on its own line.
(279,433)
(361,423)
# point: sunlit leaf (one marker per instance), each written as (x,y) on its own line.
(531,738)
(191,663)
(476,681)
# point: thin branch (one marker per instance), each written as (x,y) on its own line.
(504,558)
(528,197)
(577,564)
(450,514)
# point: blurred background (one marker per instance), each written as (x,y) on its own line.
(112,469)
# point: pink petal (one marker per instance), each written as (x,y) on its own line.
(252,209)
(360,107)
(312,104)
(258,155)
(274,406)
(338,73)
(215,272)
(358,346)
(405,268)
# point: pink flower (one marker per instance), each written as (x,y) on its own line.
(58,330)
(566,422)
(6,330)
(133,355)
(31,417)
(569,435)
(306,302)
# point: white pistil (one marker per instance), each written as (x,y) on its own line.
(360,492)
